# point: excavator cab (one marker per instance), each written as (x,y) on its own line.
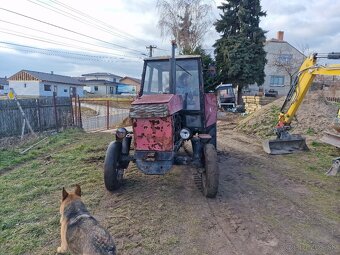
(290,143)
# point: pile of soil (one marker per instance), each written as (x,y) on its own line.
(314,116)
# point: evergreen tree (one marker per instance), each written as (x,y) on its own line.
(208,66)
(240,57)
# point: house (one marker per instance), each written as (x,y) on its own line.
(283,61)
(133,82)
(101,83)
(32,83)
(3,86)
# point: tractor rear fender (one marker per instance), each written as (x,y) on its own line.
(210,109)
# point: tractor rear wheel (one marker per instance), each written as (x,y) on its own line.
(113,173)
(210,176)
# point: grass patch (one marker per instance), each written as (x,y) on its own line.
(262,126)
(31,190)
(310,131)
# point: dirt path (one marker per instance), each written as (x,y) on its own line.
(277,213)
(259,209)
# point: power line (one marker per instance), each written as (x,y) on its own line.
(69,30)
(61,53)
(54,42)
(60,36)
(79,19)
(96,20)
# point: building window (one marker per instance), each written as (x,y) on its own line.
(65,90)
(2,87)
(112,90)
(47,87)
(95,88)
(276,80)
(285,58)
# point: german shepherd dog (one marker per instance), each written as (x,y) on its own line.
(80,232)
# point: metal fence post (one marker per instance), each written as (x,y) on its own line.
(107,114)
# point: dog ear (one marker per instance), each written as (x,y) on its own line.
(65,194)
(77,190)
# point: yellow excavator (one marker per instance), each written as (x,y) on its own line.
(289,143)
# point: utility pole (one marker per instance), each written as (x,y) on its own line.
(150,49)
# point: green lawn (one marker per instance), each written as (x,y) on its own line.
(31,187)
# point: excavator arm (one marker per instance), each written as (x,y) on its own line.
(286,142)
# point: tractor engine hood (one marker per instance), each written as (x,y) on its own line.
(157,105)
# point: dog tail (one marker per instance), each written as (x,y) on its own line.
(105,244)
(112,251)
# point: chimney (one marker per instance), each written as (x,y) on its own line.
(280,35)
(51,72)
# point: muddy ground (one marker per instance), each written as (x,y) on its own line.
(264,206)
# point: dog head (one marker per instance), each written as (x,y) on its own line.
(68,197)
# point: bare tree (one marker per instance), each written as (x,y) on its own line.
(187,21)
(288,62)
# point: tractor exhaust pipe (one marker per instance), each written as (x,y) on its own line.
(173,68)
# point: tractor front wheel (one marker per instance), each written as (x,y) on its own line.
(113,173)
(210,176)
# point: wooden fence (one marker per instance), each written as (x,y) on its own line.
(42,114)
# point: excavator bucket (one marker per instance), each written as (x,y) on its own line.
(295,143)
(331,138)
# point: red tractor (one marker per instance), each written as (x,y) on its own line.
(170,110)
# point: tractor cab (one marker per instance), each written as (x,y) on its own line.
(187,83)
(226,99)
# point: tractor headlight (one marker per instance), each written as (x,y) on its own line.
(121,133)
(185,133)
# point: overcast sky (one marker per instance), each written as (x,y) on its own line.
(75,43)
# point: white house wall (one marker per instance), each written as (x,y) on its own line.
(5,90)
(80,90)
(63,90)
(102,89)
(274,49)
(25,88)
(36,88)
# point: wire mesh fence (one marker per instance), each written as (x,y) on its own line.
(101,122)
(100,113)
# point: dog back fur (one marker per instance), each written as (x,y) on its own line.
(82,232)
